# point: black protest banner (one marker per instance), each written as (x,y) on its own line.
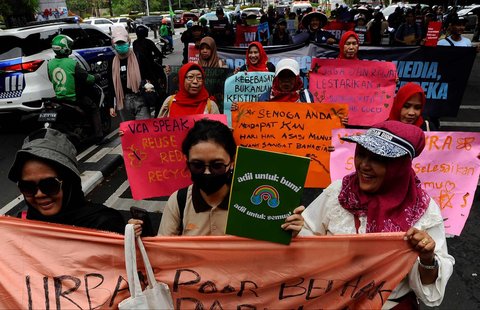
(442,71)
(214,82)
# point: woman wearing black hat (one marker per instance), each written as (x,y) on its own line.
(46,172)
(313,22)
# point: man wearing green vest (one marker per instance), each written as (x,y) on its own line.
(67,77)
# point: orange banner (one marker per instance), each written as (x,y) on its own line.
(52,266)
(303,129)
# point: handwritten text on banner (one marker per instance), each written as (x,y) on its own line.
(448,168)
(368,87)
(245,87)
(75,268)
(152,151)
(294,128)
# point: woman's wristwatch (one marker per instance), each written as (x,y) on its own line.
(429,267)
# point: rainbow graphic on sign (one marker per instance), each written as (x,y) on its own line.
(266,193)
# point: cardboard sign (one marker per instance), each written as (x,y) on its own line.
(245,87)
(448,168)
(302,129)
(52,266)
(265,191)
(152,151)
(433,33)
(368,87)
(245,35)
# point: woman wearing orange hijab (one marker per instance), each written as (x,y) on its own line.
(408,106)
(192,97)
(256,60)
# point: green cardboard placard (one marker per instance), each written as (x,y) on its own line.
(266,188)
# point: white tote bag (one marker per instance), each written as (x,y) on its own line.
(156,295)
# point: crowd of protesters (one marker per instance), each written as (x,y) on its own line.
(369,200)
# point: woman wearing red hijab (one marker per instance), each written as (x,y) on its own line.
(385,195)
(192,97)
(256,60)
(348,46)
(408,106)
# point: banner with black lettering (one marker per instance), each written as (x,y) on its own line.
(442,71)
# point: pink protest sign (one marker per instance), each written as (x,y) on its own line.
(368,87)
(448,168)
(152,153)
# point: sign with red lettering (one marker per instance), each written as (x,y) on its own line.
(433,33)
(368,87)
(245,35)
(74,268)
(152,153)
(448,168)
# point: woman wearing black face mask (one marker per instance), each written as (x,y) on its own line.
(210,150)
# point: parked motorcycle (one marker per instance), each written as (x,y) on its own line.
(72,120)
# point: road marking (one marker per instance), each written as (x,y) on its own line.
(90,149)
(114,197)
(98,155)
(11,204)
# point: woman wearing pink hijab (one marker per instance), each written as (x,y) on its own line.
(385,195)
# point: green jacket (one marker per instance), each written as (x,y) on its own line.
(65,75)
(164,31)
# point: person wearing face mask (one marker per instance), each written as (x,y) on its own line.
(408,107)
(287,84)
(46,172)
(210,151)
(192,96)
(125,79)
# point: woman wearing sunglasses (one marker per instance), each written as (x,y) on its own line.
(210,151)
(47,175)
(192,97)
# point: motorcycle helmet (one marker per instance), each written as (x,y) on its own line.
(141,31)
(189,24)
(62,45)
(164,21)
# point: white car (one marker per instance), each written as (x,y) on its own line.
(104,24)
(24,54)
(124,21)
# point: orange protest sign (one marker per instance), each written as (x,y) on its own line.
(49,266)
(294,128)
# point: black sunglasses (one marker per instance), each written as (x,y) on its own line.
(199,167)
(49,186)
